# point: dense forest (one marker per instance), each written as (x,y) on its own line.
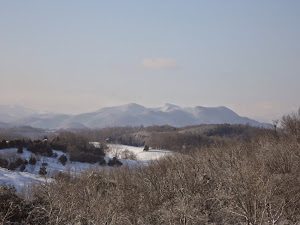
(225,174)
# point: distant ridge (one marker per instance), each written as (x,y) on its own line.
(127,115)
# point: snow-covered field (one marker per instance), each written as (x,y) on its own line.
(18,179)
(142,156)
(31,173)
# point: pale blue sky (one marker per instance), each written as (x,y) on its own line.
(79,56)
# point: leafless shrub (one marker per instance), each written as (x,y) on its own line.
(291,125)
(126,154)
(236,182)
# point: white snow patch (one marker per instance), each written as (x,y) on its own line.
(18,179)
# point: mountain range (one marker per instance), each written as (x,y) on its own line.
(125,115)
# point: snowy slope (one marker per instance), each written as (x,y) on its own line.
(18,179)
(31,173)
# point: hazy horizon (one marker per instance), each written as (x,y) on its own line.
(42,111)
(76,57)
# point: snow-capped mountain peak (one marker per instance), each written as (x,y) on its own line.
(169,107)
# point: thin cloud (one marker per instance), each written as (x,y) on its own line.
(159,63)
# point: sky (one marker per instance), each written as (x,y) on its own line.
(79,56)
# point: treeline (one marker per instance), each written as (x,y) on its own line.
(238,182)
(172,138)
(78,147)
(13,143)
(166,137)
(20,132)
(181,142)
